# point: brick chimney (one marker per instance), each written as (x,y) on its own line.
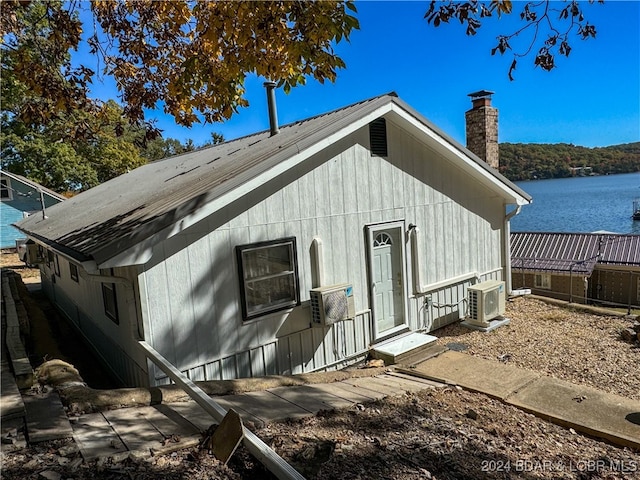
(482,128)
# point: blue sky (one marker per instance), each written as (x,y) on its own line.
(591,99)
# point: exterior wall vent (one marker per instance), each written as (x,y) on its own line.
(378,137)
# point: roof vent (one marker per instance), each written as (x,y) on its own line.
(273,112)
(378,137)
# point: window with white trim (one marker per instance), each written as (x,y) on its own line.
(56,265)
(6,192)
(543,280)
(73,272)
(268,274)
(110,301)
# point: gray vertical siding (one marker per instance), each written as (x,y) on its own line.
(190,293)
(81,302)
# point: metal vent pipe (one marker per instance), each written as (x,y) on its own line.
(273,112)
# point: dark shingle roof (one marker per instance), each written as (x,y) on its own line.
(118,214)
(573,252)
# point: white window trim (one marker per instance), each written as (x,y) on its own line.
(114,316)
(73,267)
(542,280)
(56,265)
(6,187)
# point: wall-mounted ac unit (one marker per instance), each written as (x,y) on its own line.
(332,304)
(486,302)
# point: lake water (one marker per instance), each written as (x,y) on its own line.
(580,204)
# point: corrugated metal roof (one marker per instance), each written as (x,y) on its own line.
(118,214)
(573,252)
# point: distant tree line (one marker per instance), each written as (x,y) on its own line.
(529,161)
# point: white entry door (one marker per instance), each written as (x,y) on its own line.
(387,278)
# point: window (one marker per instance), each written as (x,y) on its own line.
(110,301)
(543,280)
(6,193)
(49,258)
(56,265)
(382,239)
(268,274)
(73,272)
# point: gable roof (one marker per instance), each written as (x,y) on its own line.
(573,252)
(117,222)
(30,183)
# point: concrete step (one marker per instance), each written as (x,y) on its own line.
(404,349)
(423,354)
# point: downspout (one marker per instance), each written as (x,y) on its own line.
(317,263)
(507,246)
(415,256)
(106,279)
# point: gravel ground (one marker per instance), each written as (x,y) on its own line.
(444,434)
(440,434)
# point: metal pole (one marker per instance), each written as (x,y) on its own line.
(571,283)
(44,215)
(270,459)
(629,295)
(271,104)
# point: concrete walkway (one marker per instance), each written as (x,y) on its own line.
(585,409)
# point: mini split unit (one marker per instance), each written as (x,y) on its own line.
(486,302)
(332,304)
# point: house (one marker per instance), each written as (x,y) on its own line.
(212,257)
(20,197)
(602,268)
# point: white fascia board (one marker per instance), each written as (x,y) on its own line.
(462,159)
(88,266)
(141,252)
